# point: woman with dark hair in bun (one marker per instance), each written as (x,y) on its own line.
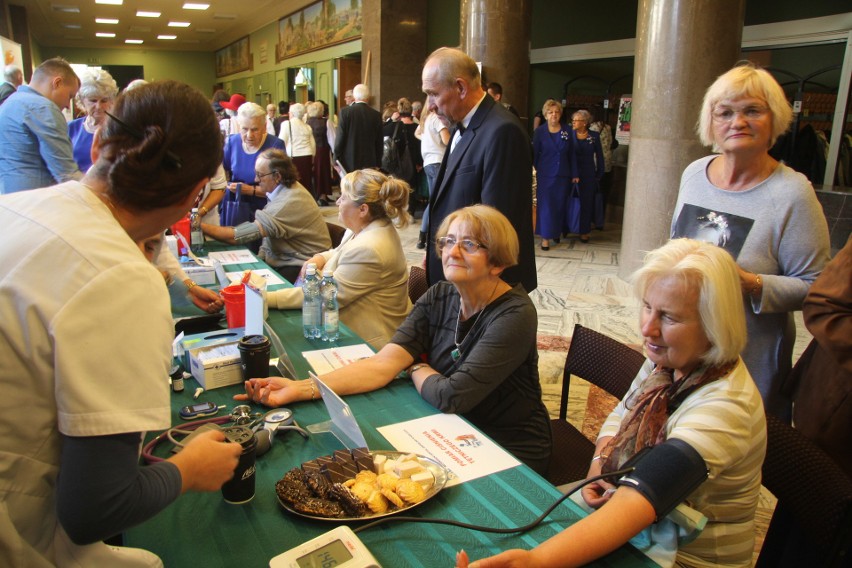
(86,339)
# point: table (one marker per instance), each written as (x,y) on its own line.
(200,529)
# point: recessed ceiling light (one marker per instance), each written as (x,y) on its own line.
(195,6)
(166,37)
(71,26)
(65,9)
(179,24)
(133,41)
(105,34)
(106,20)
(144,14)
(111,2)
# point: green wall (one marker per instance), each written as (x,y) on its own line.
(443,24)
(193,67)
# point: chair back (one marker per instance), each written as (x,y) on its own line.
(417,284)
(601,360)
(336,233)
(812,523)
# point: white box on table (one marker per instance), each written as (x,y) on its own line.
(214,370)
(204,275)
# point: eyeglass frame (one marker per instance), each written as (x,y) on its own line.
(760,111)
(261,176)
(465,244)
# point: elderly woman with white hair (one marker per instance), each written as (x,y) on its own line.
(692,419)
(762,212)
(241,153)
(301,146)
(96,96)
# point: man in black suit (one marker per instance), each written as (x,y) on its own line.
(359,142)
(489,162)
(13,78)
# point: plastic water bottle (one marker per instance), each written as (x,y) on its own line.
(196,236)
(330,308)
(311,304)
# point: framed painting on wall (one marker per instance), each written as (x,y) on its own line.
(318,25)
(234,58)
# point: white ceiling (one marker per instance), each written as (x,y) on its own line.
(222,23)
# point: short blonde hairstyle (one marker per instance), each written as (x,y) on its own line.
(713,273)
(491,228)
(745,80)
(97,83)
(250,111)
(551,103)
(385,196)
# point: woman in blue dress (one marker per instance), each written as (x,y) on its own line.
(553,161)
(589,169)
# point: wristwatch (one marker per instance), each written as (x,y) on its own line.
(416,367)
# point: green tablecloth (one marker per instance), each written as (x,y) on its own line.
(200,529)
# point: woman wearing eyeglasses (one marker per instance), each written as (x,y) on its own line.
(290,224)
(762,212)
(469,344)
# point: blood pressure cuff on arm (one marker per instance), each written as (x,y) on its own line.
(246,232)
(666,474)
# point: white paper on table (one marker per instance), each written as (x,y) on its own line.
(254,311)
(463,449)
(326,360)
(238,256)
(270,277)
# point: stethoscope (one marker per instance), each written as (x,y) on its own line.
(265,426)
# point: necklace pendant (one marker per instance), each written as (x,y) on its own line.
(455,354)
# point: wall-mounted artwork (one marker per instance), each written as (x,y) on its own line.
(234,58)
(318,25)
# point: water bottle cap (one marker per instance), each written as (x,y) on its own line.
(195,209)
(311,270)
(328,272)
(312,265)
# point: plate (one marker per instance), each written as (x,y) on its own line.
(439,472)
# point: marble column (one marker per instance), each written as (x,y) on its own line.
(393,41)
(681,47)
(497,33)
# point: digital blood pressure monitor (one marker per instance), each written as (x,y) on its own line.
(338,548)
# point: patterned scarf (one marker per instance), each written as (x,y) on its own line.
(649,408)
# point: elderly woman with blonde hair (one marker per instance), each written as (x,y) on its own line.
(369,264)
(476,333)
(691,426)
(762,212)
(96,96)
(301,145)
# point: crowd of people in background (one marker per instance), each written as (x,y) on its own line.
(716,302)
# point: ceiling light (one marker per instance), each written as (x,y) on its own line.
(144,14)
(133,41)
(105,34)
(195,6)
(166,37)
(106,20)
(65,9)
(179,24)
(111,2)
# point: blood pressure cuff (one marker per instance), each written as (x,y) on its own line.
(246,232)
(666,474)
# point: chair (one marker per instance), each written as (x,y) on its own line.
(812,523)
(417,284)
(336,233)
(604,362)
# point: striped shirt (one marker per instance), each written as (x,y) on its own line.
(724,422)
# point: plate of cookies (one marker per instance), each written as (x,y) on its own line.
(360,485)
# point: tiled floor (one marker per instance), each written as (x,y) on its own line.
(578,283)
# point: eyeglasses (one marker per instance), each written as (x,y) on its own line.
(467,245)
(261,176)
(727,114)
